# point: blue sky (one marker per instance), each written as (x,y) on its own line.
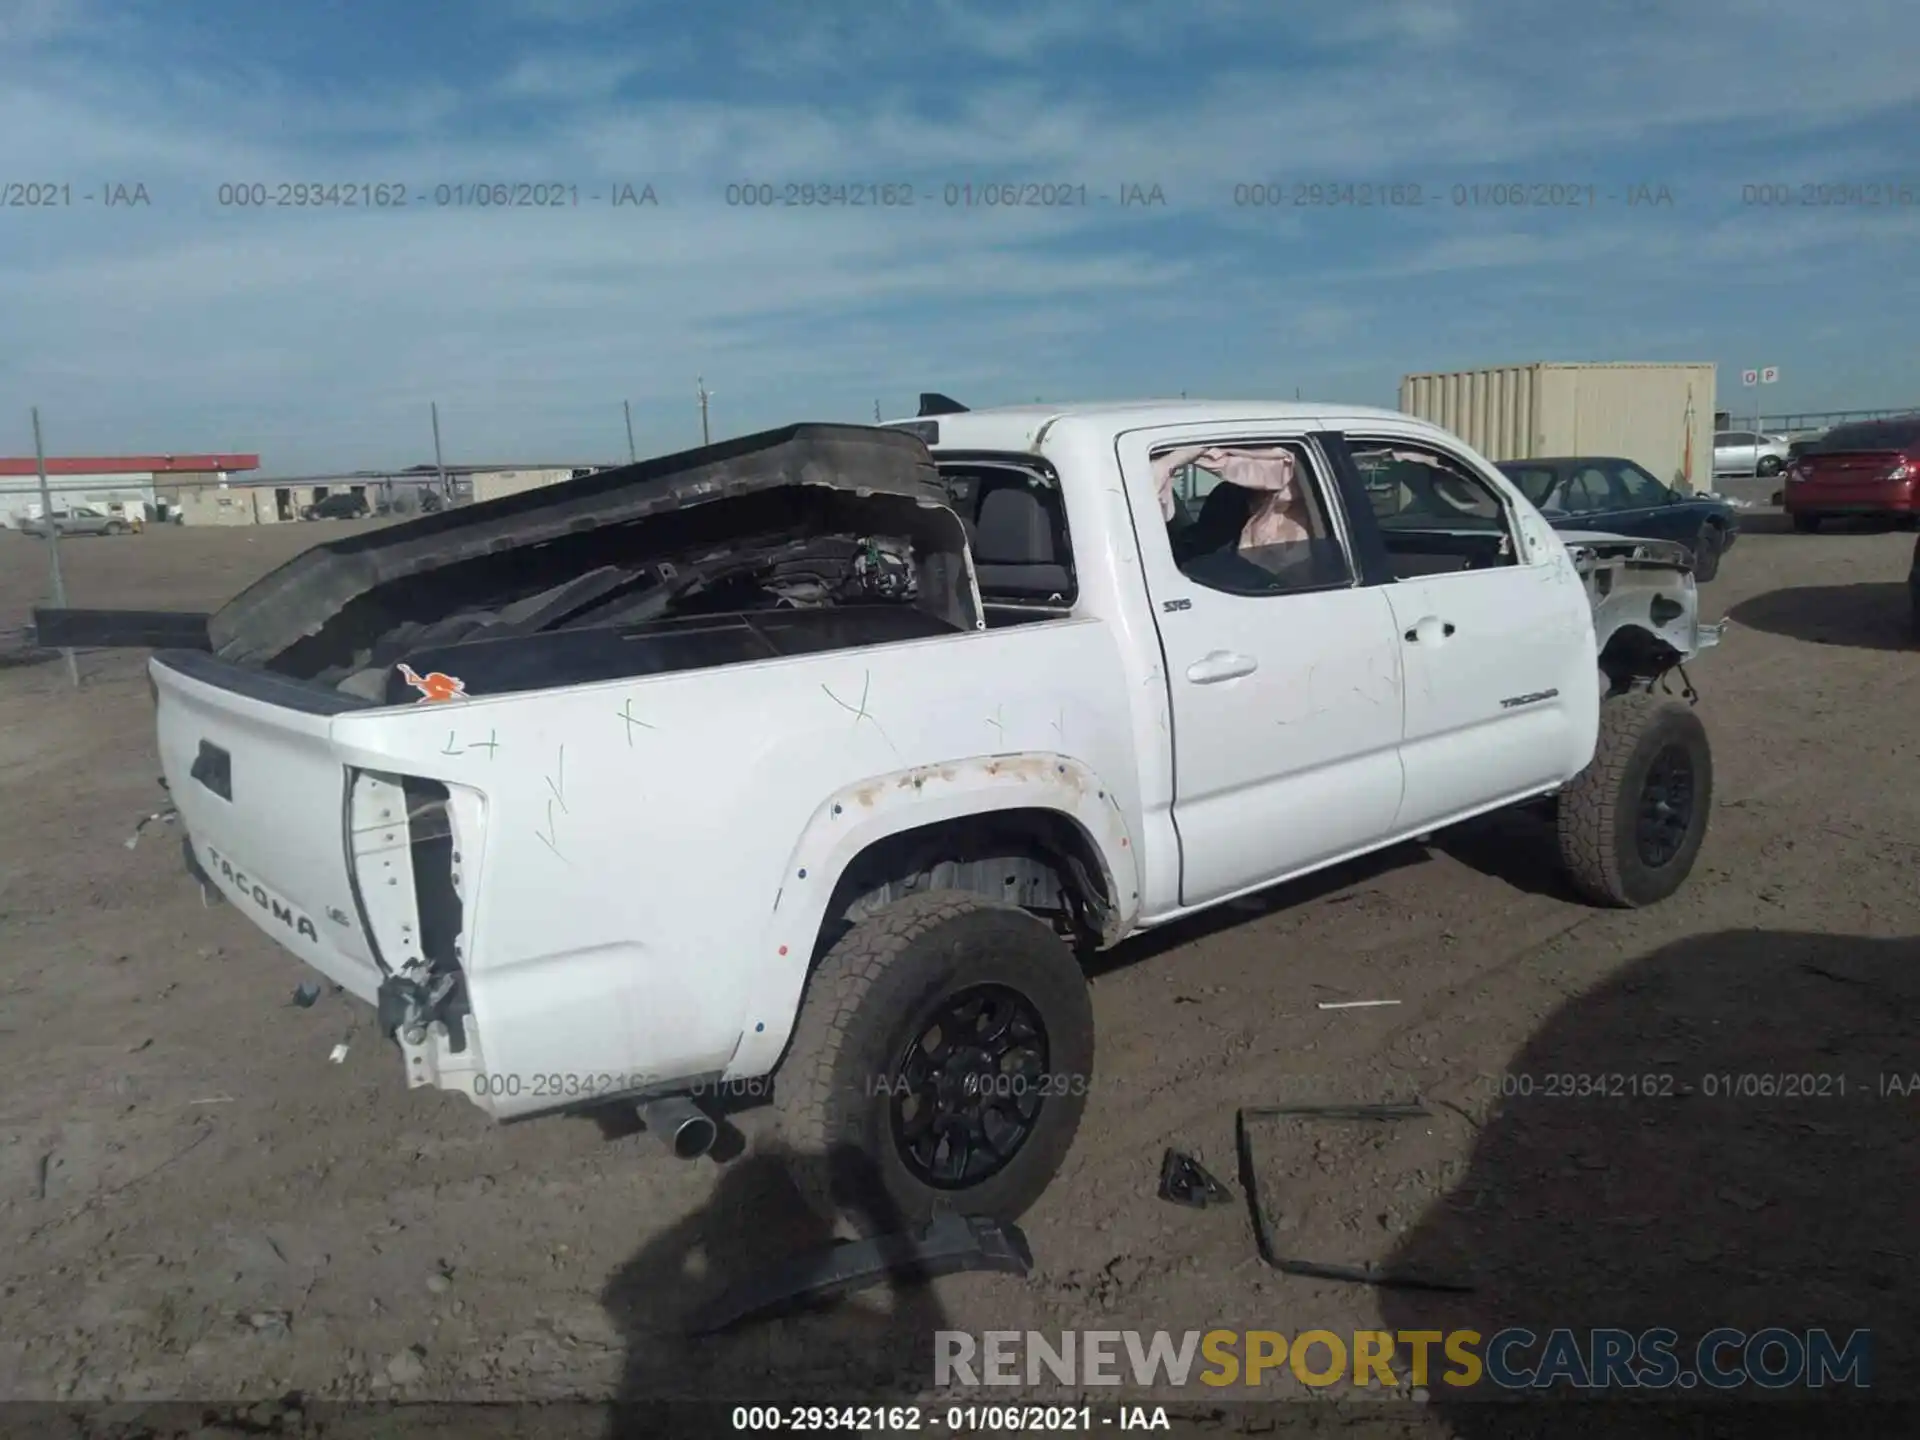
(318,336)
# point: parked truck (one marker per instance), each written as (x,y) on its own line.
(827,755)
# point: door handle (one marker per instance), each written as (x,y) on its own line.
(1220,665)
(1432,629)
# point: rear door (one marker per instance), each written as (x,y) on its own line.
(262,800)
(1502,689)
(1284,683)
(1734,452)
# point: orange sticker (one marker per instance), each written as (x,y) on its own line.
(434,686)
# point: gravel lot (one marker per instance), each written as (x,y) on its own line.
(195,1203)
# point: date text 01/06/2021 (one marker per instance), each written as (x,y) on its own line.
(955,1419)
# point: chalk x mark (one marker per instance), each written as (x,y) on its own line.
(860,711)
(626,714)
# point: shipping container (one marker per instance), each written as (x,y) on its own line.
(1658,415)
(495,484)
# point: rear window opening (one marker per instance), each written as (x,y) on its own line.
(1870,437)
(1016,525)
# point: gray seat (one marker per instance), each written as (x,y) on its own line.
(1013,547)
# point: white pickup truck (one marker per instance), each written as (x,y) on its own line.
(824,755)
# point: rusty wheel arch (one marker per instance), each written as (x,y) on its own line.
(1038,858)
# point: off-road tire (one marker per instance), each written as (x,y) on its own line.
(865,1003)
(1806,524)
(1706,555)
(1597,817)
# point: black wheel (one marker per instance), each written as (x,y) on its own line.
(941,1061)
(1631,824)
(1806,524)
(1769,466)
(1706,554)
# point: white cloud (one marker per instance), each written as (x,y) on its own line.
(322,335)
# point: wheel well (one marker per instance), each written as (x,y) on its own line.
(1634,656)
(1038,859)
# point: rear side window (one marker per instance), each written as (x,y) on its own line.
(1531,481)
(1880,435)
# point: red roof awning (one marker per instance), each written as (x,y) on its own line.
(126,464)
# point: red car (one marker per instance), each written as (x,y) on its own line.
(1869,468)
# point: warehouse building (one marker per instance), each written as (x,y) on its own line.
(133,486)
(254,500)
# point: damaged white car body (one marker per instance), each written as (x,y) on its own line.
(837,744)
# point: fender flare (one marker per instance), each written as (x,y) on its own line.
(859,815)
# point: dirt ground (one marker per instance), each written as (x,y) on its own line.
(195,1203)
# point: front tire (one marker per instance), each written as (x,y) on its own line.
(940,1061)
(1631,824)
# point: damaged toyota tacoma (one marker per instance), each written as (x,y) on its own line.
(825,756)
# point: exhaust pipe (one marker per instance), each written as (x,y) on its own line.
(679,1124)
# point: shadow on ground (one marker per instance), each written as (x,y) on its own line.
(1749,1163)
(1872,616)
(867,1349)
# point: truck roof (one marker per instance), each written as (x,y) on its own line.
(1016,427)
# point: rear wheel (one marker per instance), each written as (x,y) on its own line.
(940,1061)
(114,527)
(1806,524)
(1631,824)
(1706,554)
(1769,466)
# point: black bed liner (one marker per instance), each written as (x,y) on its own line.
(291,602)
(465,584)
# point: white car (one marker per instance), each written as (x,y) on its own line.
(1748,452)
(825,755)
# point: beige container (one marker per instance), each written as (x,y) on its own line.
(495,484)
(1658,415)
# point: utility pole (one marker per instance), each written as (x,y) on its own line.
(876,412)
(53,539)
(446,490)
(705,437)
(627,409)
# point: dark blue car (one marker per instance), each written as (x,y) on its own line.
(1609,494)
